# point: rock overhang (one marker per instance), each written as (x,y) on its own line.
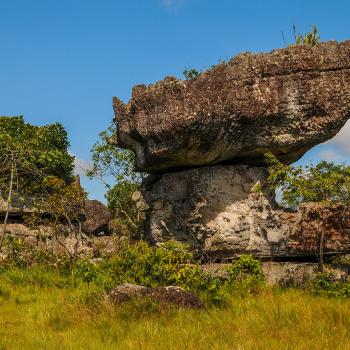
(283,102)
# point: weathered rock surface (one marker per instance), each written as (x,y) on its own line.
(97,217)
(165,295)
(46,239)
(215,210)
(284,102)
(286,273)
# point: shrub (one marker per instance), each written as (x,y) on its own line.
(327,285)
(311,38)
(191,73)
(112,162)
(169,264)
(246,275)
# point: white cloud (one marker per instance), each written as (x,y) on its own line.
(330,155)
(81,166)
(342,139)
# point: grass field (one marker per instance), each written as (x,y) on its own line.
(53,314)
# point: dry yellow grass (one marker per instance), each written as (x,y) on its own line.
(33,317)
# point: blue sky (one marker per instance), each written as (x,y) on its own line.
(63,60)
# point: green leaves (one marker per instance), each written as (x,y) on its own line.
(191,73)
(326,182)
(43,147)
(311,38)
(115,167)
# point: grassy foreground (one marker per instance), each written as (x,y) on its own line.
(59,316)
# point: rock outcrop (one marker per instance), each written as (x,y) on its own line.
(284,102)
(287,273)
(97,217)
(217,212)
(164,295)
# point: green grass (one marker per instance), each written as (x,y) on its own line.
(44,310)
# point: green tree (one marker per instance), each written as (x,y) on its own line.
(27,155)
(46,146)
(115,167)
(325,183)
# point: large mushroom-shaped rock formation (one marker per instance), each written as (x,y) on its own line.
(204,140)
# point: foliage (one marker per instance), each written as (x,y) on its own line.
(44,147)
(138,263)
(56,316)
(191,73)
(169,264)
(326,183)
(311,38)
(111,163)
(85,270)
(246,275)
(245,266)
(64,203)
(328,286)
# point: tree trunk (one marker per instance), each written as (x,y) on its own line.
(321,259)
(8,202)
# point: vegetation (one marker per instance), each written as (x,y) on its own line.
(328,285)
(28,155)
(191,73)
(44,147)
(115,167)
(311,38)
(60,305)
(325,183)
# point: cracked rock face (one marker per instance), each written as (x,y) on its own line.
(216,212)
(284,102)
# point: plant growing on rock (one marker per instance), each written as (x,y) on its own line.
(311,38)
(191,73)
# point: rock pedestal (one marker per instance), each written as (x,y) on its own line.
(218,213)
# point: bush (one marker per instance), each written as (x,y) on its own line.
(191,73)
(327,285)
(137,263)
(170,264)
(311,38)
(246,275)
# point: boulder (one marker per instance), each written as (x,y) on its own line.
(97,217)
(165,295)
(284,102)
(217,211)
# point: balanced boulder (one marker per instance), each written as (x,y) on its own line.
(284,102)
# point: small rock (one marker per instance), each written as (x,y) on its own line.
(165,295)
